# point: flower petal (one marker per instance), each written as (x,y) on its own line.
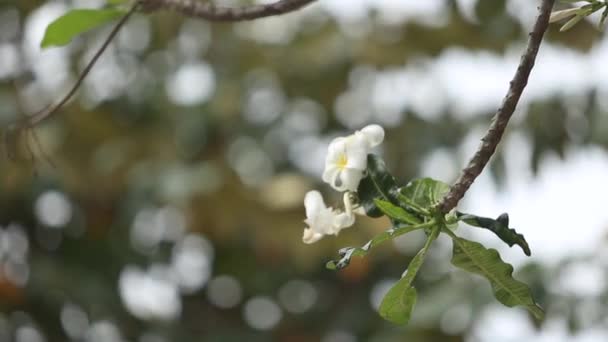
(310,236)
(374,134)
(357,158)
(342,221)
(350,179)
(314,205)
(335,150)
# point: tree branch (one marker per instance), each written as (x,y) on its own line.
(504,113)
(208,11)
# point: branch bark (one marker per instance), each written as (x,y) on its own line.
(500,120)
(208,11)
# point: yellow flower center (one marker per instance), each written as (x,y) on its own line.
(342,161)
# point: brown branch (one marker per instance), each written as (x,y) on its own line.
(48,111)
(504,113)
(208,11)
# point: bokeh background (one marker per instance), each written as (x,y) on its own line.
(173,211)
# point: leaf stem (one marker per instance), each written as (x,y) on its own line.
(416,263)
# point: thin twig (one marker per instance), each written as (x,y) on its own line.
(38,117)
(28,132)
(504,113)
(208,11)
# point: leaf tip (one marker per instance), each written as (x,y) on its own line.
(331,265)
(537,311)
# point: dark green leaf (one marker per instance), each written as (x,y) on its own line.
(348,252)
(395,212)
(62,30)
(474,257)
(500,227)
(378,183)
(423,192)
(399,302)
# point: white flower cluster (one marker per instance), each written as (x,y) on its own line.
(345,166)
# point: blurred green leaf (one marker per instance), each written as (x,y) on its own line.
(475,258)
(500,227)
(378,183)
(570,23)
(396,213)
(489,10)
(604,16)
(65,28)
(399,302)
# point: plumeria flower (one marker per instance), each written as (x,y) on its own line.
(346,159)
(323,220)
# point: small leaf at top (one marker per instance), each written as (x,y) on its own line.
(475,258)
(378,183)
(424,192)
(65,28)
(500,227)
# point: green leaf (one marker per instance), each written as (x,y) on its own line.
(62,30)
(399,302)
(500,227)
(604,16)
(395,212)
(475,258)
(570,23)
(378,183)
(423,193)
(348,252)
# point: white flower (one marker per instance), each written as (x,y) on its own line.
(346,159)
(322,220)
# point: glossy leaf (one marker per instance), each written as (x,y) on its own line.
(398,303)
(65,28)
(378,183)
(396,213)
(348,252)
(500,227)
(474,257)
(423,192)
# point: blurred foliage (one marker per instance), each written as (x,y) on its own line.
(118,155)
